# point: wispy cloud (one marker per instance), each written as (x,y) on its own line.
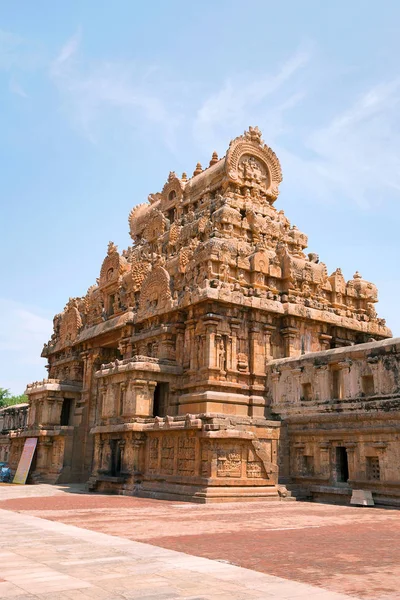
(247,97)
(356,155)
(69,49)
(103,90)
(350,156)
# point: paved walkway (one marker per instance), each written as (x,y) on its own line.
(47,558)
(43,559)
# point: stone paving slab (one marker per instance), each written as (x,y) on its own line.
(10,491)
(348,550)
(51,560)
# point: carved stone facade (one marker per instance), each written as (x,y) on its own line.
(164,365)
(341,420)
(12,419)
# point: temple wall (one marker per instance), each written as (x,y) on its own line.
(193,458)
(53,419)
(341,411)
(12,418)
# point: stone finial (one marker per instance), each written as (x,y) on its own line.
(253,134)
(357,275)
(111,248)
(214,158)
(171,175)
(184,176)
(198,170)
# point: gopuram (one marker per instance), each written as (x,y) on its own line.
(214,359)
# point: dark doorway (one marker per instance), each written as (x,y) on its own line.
(65,412)
(342,465)
(160,403)
(116,458)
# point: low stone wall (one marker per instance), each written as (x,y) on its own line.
(341,420)
(198,457)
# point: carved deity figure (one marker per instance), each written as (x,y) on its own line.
(251,170)
(221,355)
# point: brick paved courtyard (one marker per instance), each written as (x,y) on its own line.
(347,550)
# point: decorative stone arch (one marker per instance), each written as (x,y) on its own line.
(137,220)
(251,145)
(259,262)
(114,265)
(156,225)
(156,293)
(172,190)
(71,322)
(172,195)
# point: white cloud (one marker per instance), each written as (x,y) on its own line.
(243,99)
(69,49)
(356,155)
(352,156)
(106,91)
(23,331)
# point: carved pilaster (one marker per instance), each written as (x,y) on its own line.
(289,335)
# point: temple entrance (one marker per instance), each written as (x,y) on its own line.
(342,465)
(65,412)
(116,458)
(160,402)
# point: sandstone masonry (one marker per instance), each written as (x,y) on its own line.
(214,356)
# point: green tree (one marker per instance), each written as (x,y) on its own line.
(6,399)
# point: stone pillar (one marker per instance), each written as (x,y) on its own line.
(39,411)
(138,446)
(351,459)
(122,398)
(101,410)
(376,374)
(296,383)
(268,331)
(142,397)
(275,375)
(107,403)
(233,354)
(289,335)
(210,356)
(257,351)
(179,330)
(345,367)
(54,406)
(32,413)
(191,350)
(322,383)
(122,445)
(43,461)
(324,460)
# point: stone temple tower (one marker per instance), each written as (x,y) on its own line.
(158,376)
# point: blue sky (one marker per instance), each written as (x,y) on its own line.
(100,100)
